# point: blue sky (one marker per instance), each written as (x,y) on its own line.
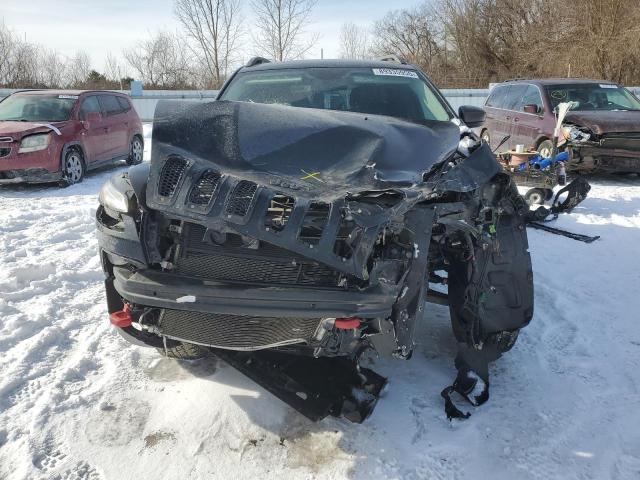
(104,26)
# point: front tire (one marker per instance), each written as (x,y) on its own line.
(136,151)
(184,351)
(73,168)
(485,136)
(536,196)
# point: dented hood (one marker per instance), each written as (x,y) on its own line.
(322,151)
(602,122)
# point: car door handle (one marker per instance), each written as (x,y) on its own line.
(106,129)
(508,118)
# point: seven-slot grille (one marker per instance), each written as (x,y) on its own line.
(204,188)
(237,332)
(170,176)
(241,198)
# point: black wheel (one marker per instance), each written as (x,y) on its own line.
(485,136)
(536,196)
(545,148)
(136,151)
(73,168)
(184,351)
(491,290)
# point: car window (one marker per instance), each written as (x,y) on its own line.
(124,104)
(110,104)
(497,96)
(37,108)
(531,97)
(393,92)
(593,96)
(89,105)
(514,97)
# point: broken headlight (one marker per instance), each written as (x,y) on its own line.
(117,194)
(572,133)
(34,143)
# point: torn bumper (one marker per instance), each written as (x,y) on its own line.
(163,290)
(608,155)
(30,175)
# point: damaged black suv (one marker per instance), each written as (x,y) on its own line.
(299,221)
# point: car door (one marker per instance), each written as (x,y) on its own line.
(118,144)
(496,120)
(511,102)
(528,127)
(95,141)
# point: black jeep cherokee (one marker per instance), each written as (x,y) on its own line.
(300,219)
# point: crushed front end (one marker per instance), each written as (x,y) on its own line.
(283,236)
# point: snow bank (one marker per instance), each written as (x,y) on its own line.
(76,401)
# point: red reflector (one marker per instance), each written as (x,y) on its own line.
(347,323)
(122,318)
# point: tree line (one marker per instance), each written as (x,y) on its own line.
(459,43)
(470,43)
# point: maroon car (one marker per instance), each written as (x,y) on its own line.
(602,130)
(49,136)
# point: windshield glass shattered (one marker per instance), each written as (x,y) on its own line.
(37,108)
(593,96)
(397,93)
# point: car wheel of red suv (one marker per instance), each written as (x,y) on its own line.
(136,151)
(73,168)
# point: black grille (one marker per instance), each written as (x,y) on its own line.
(5,151)
(204,188)
(170,176)
(237,332)
(256,270)
(241,198)
(234,262)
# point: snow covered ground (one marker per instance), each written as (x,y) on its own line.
(77,402)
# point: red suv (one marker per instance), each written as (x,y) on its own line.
(602,130)
(48,136)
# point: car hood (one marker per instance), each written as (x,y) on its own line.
(602,122)
(324,151)
(17,130)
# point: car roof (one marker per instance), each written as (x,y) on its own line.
(65,92)
(329,63)
(558,81)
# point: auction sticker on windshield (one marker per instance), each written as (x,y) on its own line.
(72,97)
(395,72)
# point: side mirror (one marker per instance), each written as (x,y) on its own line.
(92,119)
(531,109)
(473,117)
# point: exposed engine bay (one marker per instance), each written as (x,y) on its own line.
(278,236)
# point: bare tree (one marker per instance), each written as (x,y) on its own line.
(53,69)
(280,28)
(214,26)
(354,41)
(6,51)
(113,70)
(160,61)
(78,69)
(413,34)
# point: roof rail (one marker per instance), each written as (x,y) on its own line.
(515,79)
(257,61)
(393,58)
